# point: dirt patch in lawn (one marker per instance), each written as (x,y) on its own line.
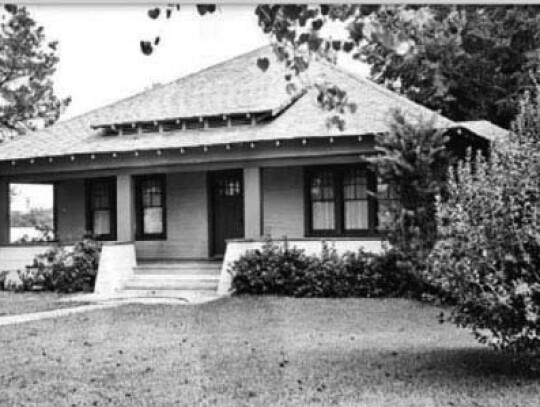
(258,351)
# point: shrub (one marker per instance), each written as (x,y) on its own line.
(280,270)
(488,261)
(413,162)
(65,271)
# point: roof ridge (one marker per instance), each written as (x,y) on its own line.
(154,89)
(381,89)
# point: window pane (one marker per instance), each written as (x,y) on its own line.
(153,220)
(355,191)
(151,193)
(355,195)
(100,196)
(323,216)
(322,200)
(101,222)
(229,187)
(356,215)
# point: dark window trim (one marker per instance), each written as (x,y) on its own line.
(139,234)
(339,206)
(114,209)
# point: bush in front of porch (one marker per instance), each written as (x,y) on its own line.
(63,270)
(280,270)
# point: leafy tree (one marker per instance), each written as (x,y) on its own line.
(468,62)
(27,62)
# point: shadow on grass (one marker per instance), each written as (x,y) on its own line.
(467,364)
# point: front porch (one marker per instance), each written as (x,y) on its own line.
(191,211)
(189,253)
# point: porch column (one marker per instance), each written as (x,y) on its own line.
(252,203)
(125,212)
(4,212)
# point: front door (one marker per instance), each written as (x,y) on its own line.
(227,211)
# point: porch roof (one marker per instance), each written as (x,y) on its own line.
(234,86)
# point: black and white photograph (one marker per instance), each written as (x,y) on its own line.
(270,204)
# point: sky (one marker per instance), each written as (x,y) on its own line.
(100,57)
(101,61)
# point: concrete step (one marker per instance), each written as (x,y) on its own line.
(178,268)
(173,282)
(192,296)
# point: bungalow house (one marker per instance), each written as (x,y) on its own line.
(181,176)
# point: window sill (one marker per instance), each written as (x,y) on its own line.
(351,235)
(150,238)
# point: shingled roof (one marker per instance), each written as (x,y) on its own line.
(234,86)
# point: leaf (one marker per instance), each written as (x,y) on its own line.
(156,41)
(203,9)
(11,8)
(290,88)
(154,13)
(263,64)
(348,46)
(304,37)
(317,24)
(146,47)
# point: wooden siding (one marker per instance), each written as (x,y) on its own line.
(187,220)
(283,202)
(70,202)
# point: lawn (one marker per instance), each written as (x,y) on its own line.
(21,303)
(258,351)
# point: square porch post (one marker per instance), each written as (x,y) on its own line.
(252,203)
(4,212)
(125,203)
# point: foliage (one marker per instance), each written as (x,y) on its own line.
(34,216)
(414,163)
(280,270)
(62,270)
(27,98)
(468,62)
(46,233)
(489,259)
(40,219)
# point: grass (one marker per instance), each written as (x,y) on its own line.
(26,302)
(258,351)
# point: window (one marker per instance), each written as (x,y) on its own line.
(339,202)
(101,208)
(150,196)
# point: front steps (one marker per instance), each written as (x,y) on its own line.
(174,278)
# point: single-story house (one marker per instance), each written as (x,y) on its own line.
(179,177)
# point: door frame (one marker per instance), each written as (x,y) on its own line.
(210,177)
